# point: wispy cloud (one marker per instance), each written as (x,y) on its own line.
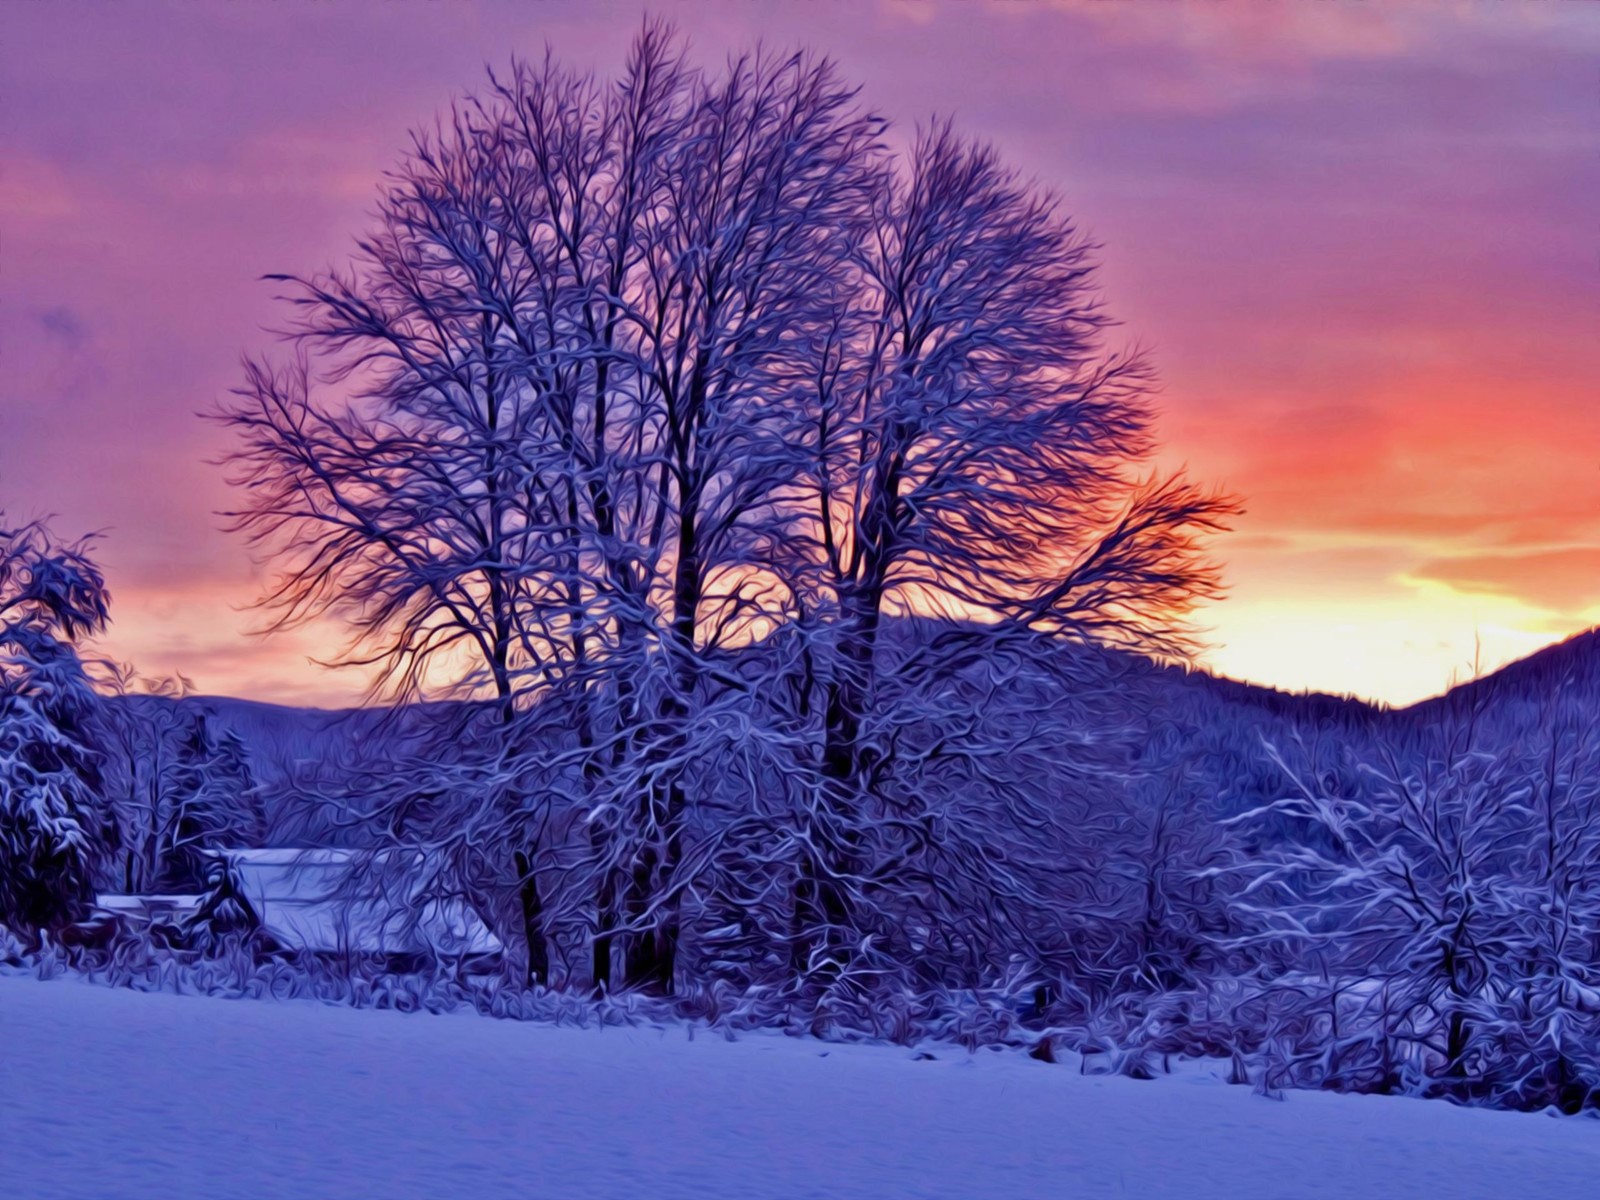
(1564,582)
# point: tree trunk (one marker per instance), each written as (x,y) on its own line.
(652,946)
(532,922)
(821,902)
(605,926)
(653,951)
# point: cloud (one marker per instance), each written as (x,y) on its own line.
(1255,31)
(35,191)
(64,324)
(324,165)
(198,623)
(1298,33)
(1452,460)
(1565,581)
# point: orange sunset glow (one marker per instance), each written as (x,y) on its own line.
(1358,241)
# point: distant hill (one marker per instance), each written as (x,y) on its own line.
(298,752)
(1208,729)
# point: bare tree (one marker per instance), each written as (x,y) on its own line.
(973,449)
(437,496)
(742,263)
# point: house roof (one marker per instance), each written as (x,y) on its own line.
(338,901)
(146,906)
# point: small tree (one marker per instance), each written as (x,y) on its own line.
(51,834)
(176,782)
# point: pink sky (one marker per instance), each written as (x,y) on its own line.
(1359,239)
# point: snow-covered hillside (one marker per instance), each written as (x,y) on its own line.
(116,1095)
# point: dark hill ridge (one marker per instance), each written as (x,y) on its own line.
(1571,667)
(1568,670)
(1213,723)
(1572,664)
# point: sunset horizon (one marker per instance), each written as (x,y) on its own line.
(1354,241)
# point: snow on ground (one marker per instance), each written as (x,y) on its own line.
(115,1095)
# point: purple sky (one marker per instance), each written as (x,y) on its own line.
(1360,239)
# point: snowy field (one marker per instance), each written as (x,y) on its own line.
(115,1095)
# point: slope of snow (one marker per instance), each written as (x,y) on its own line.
(114,1094)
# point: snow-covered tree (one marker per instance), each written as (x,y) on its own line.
(974,449)
(52,834)
(632,379)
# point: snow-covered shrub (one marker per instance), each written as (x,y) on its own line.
(1439,917)
(12,950)
(973,1019)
